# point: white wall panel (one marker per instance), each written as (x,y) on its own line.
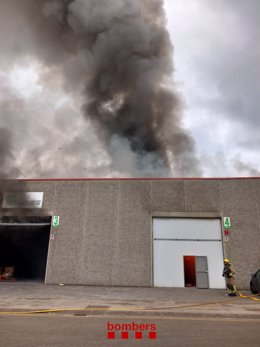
(186,228)
(168,255)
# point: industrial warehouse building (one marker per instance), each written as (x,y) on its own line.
(130,232)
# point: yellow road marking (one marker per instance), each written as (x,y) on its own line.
(55,310)
(155,318)
(112,308)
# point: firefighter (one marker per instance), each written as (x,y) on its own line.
(229,274)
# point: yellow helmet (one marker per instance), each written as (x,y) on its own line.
(226,260)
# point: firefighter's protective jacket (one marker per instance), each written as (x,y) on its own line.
(228,271)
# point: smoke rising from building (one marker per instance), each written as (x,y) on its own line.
(117,54)
(5,151)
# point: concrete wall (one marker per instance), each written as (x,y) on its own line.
(105,232)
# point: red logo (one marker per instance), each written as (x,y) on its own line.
(131,330)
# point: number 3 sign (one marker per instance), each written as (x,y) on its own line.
(56,221)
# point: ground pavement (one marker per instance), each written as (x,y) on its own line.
(33,298)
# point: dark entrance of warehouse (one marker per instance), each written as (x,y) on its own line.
(196,271)
(24,246)
(189,271)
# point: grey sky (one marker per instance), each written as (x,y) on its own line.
(217,55)
(216,61)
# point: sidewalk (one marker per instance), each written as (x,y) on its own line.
(86,300)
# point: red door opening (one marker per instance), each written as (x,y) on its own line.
(189,271)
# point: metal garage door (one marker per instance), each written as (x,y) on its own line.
(176,237)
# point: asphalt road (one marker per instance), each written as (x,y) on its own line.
(71,331)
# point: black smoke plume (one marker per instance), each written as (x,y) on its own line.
(120,51)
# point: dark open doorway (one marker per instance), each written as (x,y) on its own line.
(189,271)
(24,246)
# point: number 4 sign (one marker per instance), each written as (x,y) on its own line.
(56,221)
(226,221)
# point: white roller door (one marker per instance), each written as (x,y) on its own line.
(176,237)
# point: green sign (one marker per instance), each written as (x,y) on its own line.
(56,221)
(227,224)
